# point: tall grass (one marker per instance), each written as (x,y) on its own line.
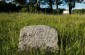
(71,30)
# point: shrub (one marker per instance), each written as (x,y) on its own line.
(79,11)
(8,7)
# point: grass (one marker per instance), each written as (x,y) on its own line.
(71,30)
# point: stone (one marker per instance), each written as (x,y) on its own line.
(40,36)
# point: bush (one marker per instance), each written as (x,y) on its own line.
(24,9)
(8,7)
(79,11)
(31,7)
(60,11)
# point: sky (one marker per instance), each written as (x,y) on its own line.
(77,6)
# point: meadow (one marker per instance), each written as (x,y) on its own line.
(71,32)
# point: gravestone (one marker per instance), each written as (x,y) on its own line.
(40,36)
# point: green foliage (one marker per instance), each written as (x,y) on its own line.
(60,11)
(71,30)
(8,7)
(71,4)
(31,7)
(38,51)
(79,11)
(24,9)
(20,1)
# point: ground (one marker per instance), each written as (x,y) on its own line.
(71,31)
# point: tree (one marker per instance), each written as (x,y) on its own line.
(20,1)
(71,4)
(79,1)
(50,3)
(37,4)
(58,2)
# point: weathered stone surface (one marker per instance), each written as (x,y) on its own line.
(38,36)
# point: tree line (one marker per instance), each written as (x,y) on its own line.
(8,7)
(34,5)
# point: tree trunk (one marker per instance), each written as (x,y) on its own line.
(36,4)
(50,5)
(57,5)
(70,8)
(57,8)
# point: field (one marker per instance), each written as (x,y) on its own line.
(71,31)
